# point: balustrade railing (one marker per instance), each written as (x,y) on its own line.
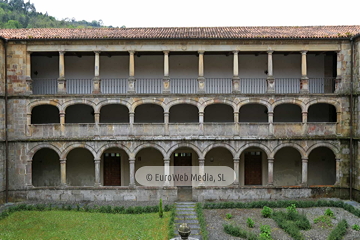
(148,85)
(44,86)
(287,85)
(79,86)
(184,85)
(218,85)
(114,85)
(253,85)
(322,85)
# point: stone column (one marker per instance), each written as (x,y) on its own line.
(338,71)
(62,123)
(131,122)
(28,125)
(61,80)
(63,171)
(236,169)
(338,121)
(304,81)
(201,122)
(97,117)
(236,117)
(236,79)
(97,172)
(304,172)
(131,79)
(167,170)
(270,171)
(132,172)
(166,122)
(338,161)
(201,79)
(304,117)
(96,79)
(271,122)
(29,81)
(166,79)
(201,169)
(29,173)
(270,77)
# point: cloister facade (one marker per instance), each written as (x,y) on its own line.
(83,115)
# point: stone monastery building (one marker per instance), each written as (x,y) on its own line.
(81,110)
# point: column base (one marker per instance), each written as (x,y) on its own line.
(131,85)
(304,85)
(97,185)
(236,85)
(201,85)
(166,85)
(61,85)
(270,85)
(96,85)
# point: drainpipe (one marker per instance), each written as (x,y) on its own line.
(5,41)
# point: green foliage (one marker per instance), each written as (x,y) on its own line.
(292,223)
(161,211)
(329,213)
(356,227)
(238,232)
(20,14)
(202,221)
(250,223)
(229,216)
(171,226)
(339,231)
(265,232)
(266,212)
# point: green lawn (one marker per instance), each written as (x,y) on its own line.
(83,225)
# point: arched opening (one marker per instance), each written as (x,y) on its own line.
(115,168)
(43,114)
(148,157)
(114,113)
(45,168)
(184,113)
(321,167)
(287,167)
(287,112)
(322,112)
(219,156)
(149,113)
(80,168)
(79,113)
(219,113)
(253,167)
(253,113)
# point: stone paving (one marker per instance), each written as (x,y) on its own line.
(185,213)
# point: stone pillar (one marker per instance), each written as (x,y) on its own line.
(166,79)
(338,121)
(338,161)
(97,117)
(97,173)
(270,77)
(131,79)
(62,118)
(201,169)
(201,79)
(304,81)
(167,170)
(166,122)
(131,118)
(63,171)
(29,173)
(201,117)
(61,80)
(28,125)
(236,169)
(236,79)
(132,172)
(29,81)
(236,117)
(304,117)
(270,171)
(271,122)
(338,71)
(304,172)
(96,79)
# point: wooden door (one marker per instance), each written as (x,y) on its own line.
(112,169)
(253,169)
(183,160)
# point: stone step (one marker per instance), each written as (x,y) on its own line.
(185,203)
(185,212)
(184,208)
(193,216)
(188,221)
(191,226)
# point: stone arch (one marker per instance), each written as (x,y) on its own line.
(77,101)
(324,144)
(254,101)
(298,102)
(112,101)
(181,101)
(147,101)
(137,149)
(249,145)
(185,145)
(112,145)
(71,146)
(335,103)
(33,150)
(36,103)
(300,149)
(45,168)
(219,145)
(216,101)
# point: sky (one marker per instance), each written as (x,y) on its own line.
(205,13)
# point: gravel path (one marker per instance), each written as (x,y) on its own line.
(215,219)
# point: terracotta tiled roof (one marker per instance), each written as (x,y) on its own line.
(320,32)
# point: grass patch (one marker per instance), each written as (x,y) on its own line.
(82,225)
(202,222)
(339,231)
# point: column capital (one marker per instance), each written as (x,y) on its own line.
(166,113)
(166,159)
(270,51)
(97,160)
(131,51)
(338,159)
(304,159)
(131,159)
(166,51)
(270,113)
(303,52)
(62,52)
(97,52)
(62,161)
(201,52)
(235,52)
(201,160)
(236,159)
(201,113)
(270,160)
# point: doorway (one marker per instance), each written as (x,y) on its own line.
(183,160)
(112,169)
(253,168)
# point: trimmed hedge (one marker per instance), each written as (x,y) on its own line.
(171,226)
(202,221)
(339,231)
(239,232)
